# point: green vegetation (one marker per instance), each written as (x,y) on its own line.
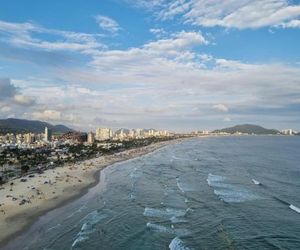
(16,162)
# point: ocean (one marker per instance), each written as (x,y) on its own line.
(239,192)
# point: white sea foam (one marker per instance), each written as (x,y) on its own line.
(159,228)
(171,230)
(215,180)
(297,209)
(179,186)
(88,226)
(255,182)
(167,213)
(77,211)
(235,194)
(174,219)
(177,244)
(184,187)
(54,227)
(232,193)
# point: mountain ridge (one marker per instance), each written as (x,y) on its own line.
(248,129)
(13,125)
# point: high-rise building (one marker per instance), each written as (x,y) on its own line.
(29,138)
(91,138)
(287,132)
(48,134)
(103,134)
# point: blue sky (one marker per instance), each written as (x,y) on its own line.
(177,64)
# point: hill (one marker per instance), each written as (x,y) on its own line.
(12,125)
(249,129)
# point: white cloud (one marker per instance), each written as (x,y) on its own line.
(164,81)
(107,23)
(24,100)
(290,24)
(22,35)
(180,41)
(55,115)
(227,119)
(5,109)
(158,32)
(238,14)
(220,108)
(47,115)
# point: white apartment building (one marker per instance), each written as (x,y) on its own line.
(104,134)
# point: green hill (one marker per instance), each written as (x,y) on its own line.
(248,129)
(12,125)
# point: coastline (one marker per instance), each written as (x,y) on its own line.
(55,188)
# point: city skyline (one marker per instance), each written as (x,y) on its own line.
(175,65)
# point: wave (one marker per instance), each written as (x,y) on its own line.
(291,206)
(167,213)
(177,244)
(179,186)
(256,182)
(183,187)
(175,220)
(215,180)
(54,227)
(77,211)
(231,193)
(294,208)
(234,195)
(164,229)
(88,226)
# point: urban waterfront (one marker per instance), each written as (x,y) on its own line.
(237,192)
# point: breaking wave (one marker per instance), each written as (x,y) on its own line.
(231,193)
(167,213)
(177,244)
(88,226)
(171,230)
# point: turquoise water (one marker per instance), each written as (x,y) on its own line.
(204,193)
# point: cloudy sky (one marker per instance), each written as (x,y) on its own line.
(174,64)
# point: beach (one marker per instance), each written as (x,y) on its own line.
(31,196)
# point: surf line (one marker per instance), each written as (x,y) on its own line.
(291,206)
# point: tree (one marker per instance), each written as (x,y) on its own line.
(25,168)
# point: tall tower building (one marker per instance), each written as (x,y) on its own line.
(91,138)
(48,134)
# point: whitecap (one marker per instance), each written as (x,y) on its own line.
(167,213)
(184,187)
(255,182)
(215,180)
(171,230)
(175,219)
(232,193)
(177,244)
(294,208)
(235,194)
(88,226)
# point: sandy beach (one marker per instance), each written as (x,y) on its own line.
(23,202)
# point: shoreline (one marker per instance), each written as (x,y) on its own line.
(55,188)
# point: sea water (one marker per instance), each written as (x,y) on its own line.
(202,193)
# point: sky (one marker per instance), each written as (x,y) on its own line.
(180,65)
